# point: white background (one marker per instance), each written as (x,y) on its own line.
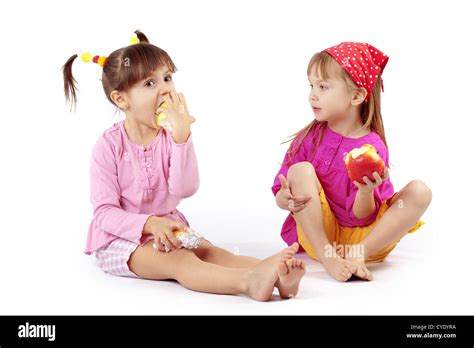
(242,66)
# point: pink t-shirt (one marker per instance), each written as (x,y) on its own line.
(129,184)
(329,165)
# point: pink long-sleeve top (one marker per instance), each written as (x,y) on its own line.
(330,168)
(130,183)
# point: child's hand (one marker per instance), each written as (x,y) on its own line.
(286,201)
(177,114)
(162,229)
(370,185)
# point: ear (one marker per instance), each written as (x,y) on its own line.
(120,99)
(359,96)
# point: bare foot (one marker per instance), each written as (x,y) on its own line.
(337,267)
(260,280)
(356,256)
(362,271)
(290,273)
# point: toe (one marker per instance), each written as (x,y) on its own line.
(295,246)
(368,274)
(343,275)
(290,263)
(361,273)
(343,278)
(350,266)
(282,269)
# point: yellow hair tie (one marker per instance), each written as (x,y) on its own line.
(102,60)
(134,40)
(88,57)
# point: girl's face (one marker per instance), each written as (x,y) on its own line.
(147,95)
(330,99)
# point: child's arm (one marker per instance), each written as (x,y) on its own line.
(364,201)
(109,216)
(364,204)
(183,178)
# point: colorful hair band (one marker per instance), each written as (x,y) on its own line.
(87,57)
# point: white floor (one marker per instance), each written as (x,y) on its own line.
(411,281)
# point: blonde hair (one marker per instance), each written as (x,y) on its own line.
(370,113)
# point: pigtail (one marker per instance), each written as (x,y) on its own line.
(142,37)
(121,69)
(70,82)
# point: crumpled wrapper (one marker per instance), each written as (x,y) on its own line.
(189,238)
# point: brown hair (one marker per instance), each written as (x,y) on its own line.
(123,68)
(370,113)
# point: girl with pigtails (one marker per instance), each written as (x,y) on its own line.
(140,171)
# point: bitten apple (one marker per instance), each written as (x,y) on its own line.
(363,161)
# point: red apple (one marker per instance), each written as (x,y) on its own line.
(363,161)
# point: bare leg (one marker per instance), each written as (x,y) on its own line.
(213,254)
(289,273)
(190,271)
(303,180)
(406,208)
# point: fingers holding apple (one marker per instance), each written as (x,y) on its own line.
(379,179)
(369,185)
(365,167)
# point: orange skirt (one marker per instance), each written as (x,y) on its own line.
(343,236)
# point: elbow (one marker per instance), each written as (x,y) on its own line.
(184,191)
(362,215)
(275,190)
(101,210)
(100,215)
(190,191)
(359,216)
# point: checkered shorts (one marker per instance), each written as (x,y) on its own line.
(113,257)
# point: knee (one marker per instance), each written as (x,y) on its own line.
(420,192)
(301,169)
(209,252)
(181,259)
(204,251)
(301,173)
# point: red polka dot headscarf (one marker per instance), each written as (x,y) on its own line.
(363,62)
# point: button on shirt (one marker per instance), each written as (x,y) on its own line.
(130,183)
